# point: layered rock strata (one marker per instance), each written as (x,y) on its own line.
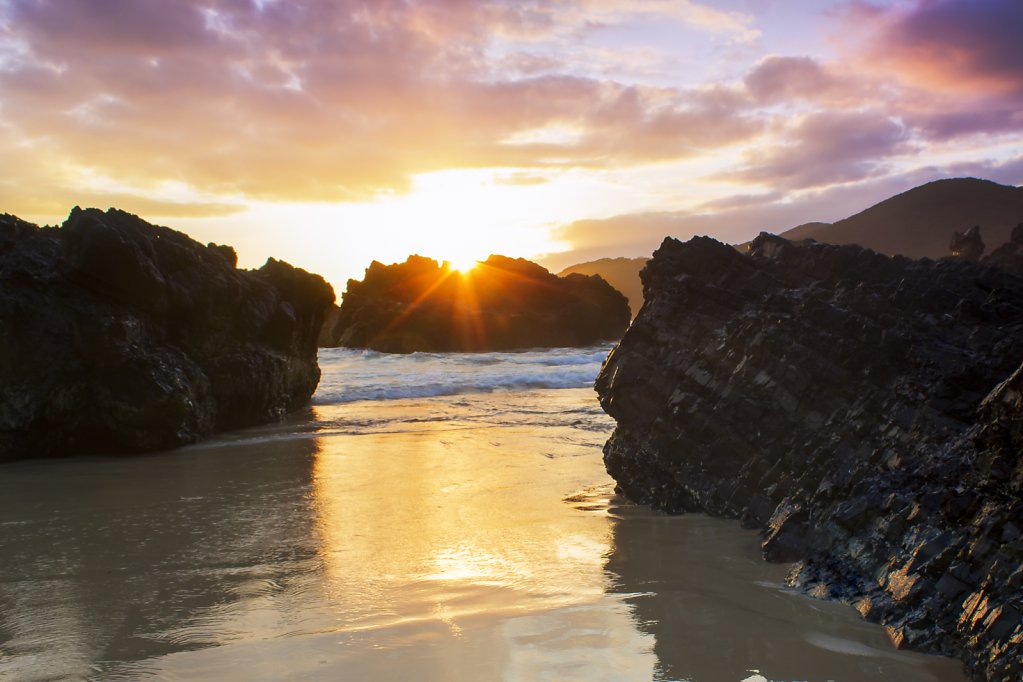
(121,336)
(864,411)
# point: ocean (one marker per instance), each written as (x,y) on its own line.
(428,517)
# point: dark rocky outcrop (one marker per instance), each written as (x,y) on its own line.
(330,331)
(1009,256)
(864,411)
(968,244)
(502,304)
(121,336)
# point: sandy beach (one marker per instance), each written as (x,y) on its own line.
(462,537)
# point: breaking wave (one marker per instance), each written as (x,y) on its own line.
(353,375)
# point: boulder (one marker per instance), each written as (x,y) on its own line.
(121,336)
(863,411)
(501,304)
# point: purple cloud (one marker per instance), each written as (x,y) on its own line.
(779,78)
(825,148)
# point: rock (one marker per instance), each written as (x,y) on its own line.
(863,411)
(1009,256)
(967,245)
(330,331)
(121,336)
(502,304)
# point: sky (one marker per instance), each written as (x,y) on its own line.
(332,133)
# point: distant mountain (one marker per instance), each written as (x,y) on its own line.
(621,273)
(919,223)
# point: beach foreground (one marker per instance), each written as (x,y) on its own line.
(450,537)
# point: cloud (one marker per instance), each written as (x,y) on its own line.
(1007,172)
(825,148)
(316,100)
(984,119)
(956,43)
(778,78)
(539,19)
(326,101)
(638,234)
(522,179)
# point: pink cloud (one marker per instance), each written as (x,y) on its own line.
(825,148)
(778,78)
(957,43)
(318,100)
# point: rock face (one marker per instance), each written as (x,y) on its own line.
(968,244)
(864,411)
(121,336)
(1009,256)
(502,304)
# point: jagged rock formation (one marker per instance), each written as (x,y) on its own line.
(1009,256)
(502,304)
(864,411)
(121,336)
(968,245)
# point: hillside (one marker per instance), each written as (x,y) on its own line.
(621,273)
(920,222)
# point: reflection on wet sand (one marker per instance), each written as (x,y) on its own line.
(428,539)
(718,612)
(453,539)
(108,561)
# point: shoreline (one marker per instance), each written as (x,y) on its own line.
(305,543)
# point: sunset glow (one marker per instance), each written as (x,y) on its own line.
(331,134)
(465,267)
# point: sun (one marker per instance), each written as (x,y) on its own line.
(463,265)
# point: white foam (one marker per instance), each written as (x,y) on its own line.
(352,375)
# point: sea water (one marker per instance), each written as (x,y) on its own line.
(429,517)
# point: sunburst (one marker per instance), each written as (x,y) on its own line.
(463,265)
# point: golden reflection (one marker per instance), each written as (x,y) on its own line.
(448,520)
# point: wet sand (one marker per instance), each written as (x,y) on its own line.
(428,539)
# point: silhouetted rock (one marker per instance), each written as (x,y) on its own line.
(1009,256)
(621,273)
(863,411)
(121,336)
(330,331)
(967,245)
(503,303)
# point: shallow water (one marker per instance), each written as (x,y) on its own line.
(471,536)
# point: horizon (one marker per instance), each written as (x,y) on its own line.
(332,135)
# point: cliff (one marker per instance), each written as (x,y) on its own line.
(501,304)
(121,336)
(863,411)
